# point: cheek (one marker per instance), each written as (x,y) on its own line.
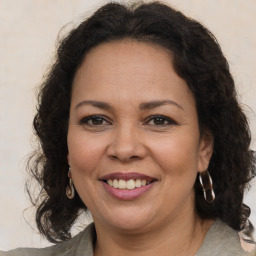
(177,156)
(85,152)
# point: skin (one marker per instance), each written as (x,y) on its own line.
(126,74)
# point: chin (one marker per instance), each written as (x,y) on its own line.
(128,219)
(130,225)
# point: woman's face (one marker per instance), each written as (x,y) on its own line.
(133,121)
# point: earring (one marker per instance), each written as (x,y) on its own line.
(206,183)
(70,190)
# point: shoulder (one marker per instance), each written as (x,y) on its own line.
(78,245)
(221,240)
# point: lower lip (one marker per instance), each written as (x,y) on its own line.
(127,194)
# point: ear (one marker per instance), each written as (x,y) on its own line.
(205,150)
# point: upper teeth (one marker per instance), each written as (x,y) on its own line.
(129,184)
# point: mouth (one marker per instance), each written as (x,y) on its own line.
(127,180)
(127,186)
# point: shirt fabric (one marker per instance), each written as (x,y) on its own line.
(220,240)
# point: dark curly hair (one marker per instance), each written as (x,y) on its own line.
(197,58)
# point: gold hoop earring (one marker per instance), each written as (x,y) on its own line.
(206,183)
(70,190)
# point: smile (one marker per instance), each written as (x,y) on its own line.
(127,186)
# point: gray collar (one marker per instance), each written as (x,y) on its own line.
(221,240)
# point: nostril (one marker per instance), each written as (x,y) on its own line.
(113,157)
(124,158)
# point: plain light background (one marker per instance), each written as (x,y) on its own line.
(28,32)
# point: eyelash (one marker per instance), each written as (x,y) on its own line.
(86,120)
(163,118)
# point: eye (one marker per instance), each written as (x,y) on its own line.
(94,120)
(160,120)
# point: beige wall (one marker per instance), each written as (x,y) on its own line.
(28,31)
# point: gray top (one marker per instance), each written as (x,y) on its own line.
(220,240)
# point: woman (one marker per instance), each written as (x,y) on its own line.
(139,123)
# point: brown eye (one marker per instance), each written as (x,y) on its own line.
(94,121)
(160,121)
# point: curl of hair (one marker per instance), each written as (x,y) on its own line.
(197,58)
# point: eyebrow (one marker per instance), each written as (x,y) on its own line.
(158,103)
(143,106)
(94,103)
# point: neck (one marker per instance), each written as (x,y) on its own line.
(177,238)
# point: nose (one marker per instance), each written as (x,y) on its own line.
(126,145)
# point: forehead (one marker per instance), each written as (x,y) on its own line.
(127,67)
(135,56)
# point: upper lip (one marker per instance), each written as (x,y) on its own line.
(127,176)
